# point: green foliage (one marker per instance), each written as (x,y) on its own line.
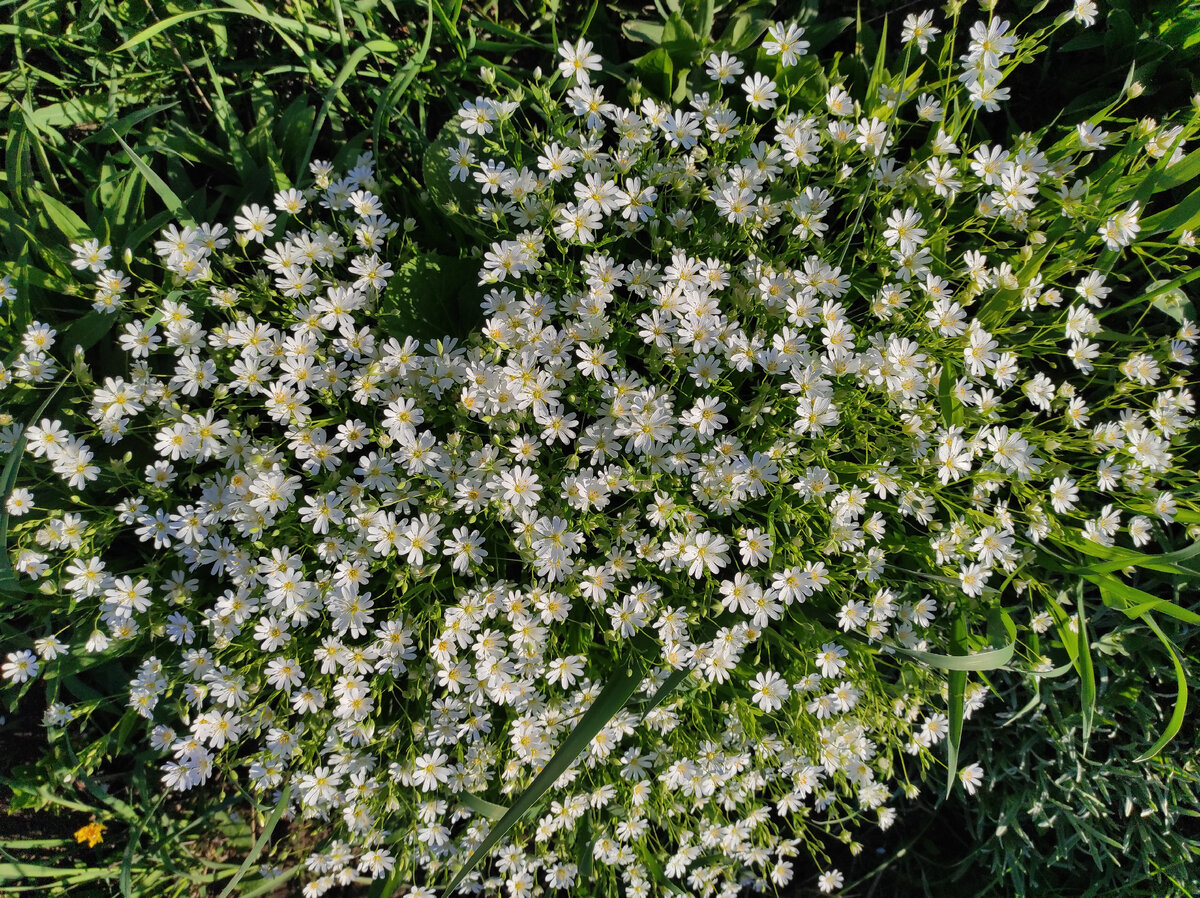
(1072,816)
(121,117)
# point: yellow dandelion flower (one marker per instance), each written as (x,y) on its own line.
(93,834)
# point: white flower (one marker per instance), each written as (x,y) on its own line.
(90,255)
(20,666)
(853,614)
(431,769)
(1121,230)
(830,880)
(723,69)
(831,659)
(785,42)
(760,91)
(477,117)
(705,551)
(20,502)
(769,691)
(971,777)
(755,547)
(291,201)
(578,60)
(255,222)
(918,28)
(1084,11)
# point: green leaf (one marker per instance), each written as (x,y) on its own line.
(946,401)
(1182,172)
(991,659)
(1174,302)
(69,224)
(821,34)
(261,843)
(163,24)
(670,684)
(396,87)
(1087,671)
(87,331)
(957,687)
(657,71)
(650,32)
(1184,215)
(583,849)
(1118,558)
(17,166)
(430,296)
(879,73)
(1181,695)
(746,25)
(656,870)
(1135,603)
(8,480)
(702,23)
(612,698)
(165,193)
(482,806)
(679,40)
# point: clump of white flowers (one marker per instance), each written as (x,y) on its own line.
(767,392)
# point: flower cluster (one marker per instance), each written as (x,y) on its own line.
(767,393)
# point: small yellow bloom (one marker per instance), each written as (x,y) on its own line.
(93,834)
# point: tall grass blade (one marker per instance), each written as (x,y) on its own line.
(261,843)
(1087,670)
(1181,696)
(611,700)
(8,480)
(956,701)
(157,184)
(401,80)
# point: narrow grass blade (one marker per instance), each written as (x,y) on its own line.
(670,684)
(611,700)
(125,880)
(583,850)
(955,706)
(9,872)
(1135,603)
(273,885)
(8,480)
(987,660)
(261,843)
(1181,696)
(165,193)
(1117,558)
(334,89)
(482,806)
(163,24)
(399,83)
(451,28)
(656,871)
(1087,670)
(228,122)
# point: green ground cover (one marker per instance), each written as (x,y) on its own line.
(782,652)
